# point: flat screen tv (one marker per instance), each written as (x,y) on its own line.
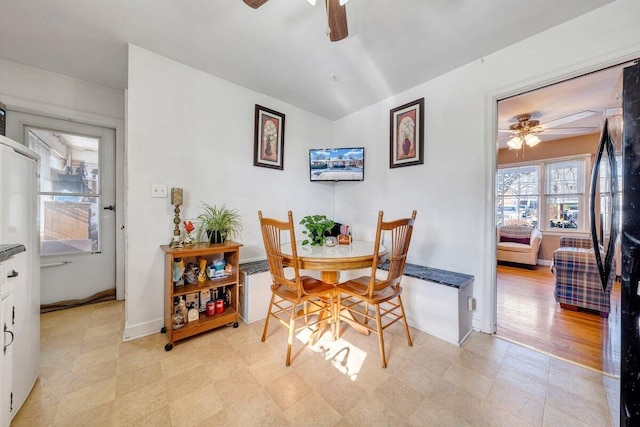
(336,164)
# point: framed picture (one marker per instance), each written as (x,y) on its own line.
(407,135)
(268,151)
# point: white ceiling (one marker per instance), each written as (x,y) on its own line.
(598,92)
(280,49)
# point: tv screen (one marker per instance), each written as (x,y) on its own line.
(336,164)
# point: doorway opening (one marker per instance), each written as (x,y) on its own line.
(544,185)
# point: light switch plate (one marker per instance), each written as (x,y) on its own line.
(158,190)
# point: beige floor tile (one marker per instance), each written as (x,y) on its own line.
(112,339)
(86,398)
(98,330)
(372,411)
(534,385)
(98,416)
(255,408)
(269,368)
(94,357)
(83,377)
(129,380)
(586,411)
(288,390)
(432,414)
(159,418)
(137,404)
(396,396)
(238,383)
(138,360)
(554,418)
(312,410)
(469,380)
(341,393)
(507,403)
(201,402)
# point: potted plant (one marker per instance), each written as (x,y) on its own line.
(317,229)
(218,223)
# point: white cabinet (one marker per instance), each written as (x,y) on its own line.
(6,347)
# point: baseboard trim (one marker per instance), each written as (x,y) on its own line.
(142,330)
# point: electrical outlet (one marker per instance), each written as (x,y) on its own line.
(158,190)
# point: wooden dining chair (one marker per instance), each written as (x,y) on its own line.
(297,297)
(356,296)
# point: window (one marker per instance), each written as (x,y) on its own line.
(518,195)
(68,192)
(548,195)
(565,193)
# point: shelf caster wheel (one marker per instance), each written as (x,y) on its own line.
(163,330)
(235,324)
(168,347)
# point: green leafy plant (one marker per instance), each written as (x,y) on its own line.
(317,228)
(218,223)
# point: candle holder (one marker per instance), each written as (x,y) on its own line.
(176,200)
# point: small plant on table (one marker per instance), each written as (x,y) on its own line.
(317,229)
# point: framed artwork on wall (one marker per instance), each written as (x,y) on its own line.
(268,151)
(406,146)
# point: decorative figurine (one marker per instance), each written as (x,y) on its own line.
(176,200)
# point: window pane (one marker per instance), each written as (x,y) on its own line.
(69,224)
(565,177)
(518,195)
(564,212)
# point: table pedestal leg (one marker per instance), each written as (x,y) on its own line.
(331,277)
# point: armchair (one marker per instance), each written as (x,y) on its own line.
(577,279)
(519,244)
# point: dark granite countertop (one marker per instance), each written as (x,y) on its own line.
(443,277)
(9,250)
(253,267)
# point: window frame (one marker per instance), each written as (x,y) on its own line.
(544,196)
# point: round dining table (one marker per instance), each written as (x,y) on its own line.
(330,260)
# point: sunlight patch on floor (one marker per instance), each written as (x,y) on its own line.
(347,358)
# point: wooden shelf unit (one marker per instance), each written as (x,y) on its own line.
(230,251)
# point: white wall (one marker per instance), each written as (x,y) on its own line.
(453,190)
(31,90)
(189,129)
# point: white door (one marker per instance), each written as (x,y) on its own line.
(76,199)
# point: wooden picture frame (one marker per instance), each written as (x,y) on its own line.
(268,150)
(406,145)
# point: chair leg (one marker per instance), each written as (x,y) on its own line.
(266,321)
(332,309)
(292,327)
(336,314)
(380,336)
(404,320)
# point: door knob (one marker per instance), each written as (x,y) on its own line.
(109,208)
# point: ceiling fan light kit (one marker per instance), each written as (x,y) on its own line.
(336,17)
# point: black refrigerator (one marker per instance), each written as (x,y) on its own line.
(620,224)
(630,250)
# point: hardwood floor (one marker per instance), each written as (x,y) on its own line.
(528,314)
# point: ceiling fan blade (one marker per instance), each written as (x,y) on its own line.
(567,119)
(569,131)
(337,16)
(255,3)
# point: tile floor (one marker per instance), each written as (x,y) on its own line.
(228,377)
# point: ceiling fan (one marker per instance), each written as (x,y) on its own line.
(525,131)
(336,16)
